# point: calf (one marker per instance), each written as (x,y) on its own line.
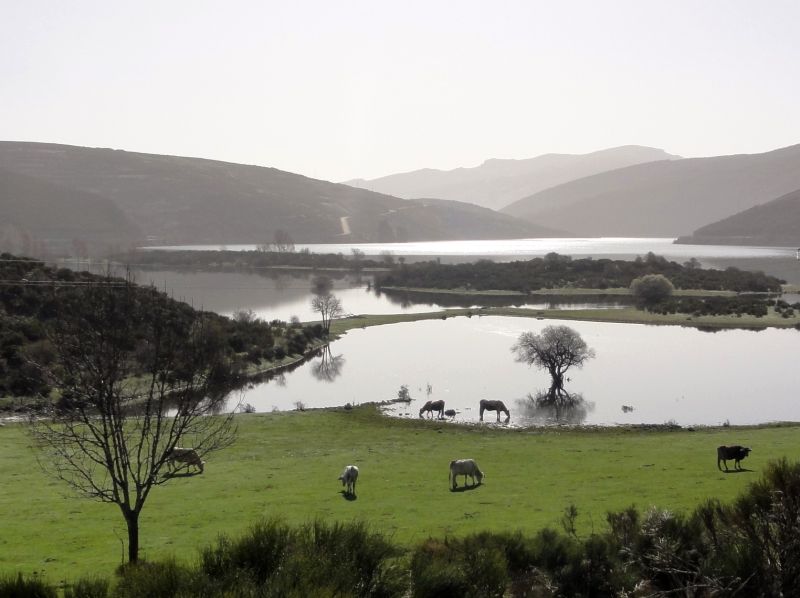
(465,467)
(185,455)
(736,452)
(348,478)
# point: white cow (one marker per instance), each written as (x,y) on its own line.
(185,455)
(465,467)
(349,477)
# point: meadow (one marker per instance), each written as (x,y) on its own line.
(286,465)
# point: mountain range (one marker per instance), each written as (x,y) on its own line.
(667,198)
(497,182)
(179,200)
(68,197)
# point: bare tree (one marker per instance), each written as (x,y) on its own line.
(136,373)
(324,302)
(329,308)
(283,242)
(556,349)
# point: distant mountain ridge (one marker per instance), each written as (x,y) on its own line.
(775,223)
(499,182)
(665,198)
(178,200)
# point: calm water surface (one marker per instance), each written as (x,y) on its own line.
(521,248)
(666,373)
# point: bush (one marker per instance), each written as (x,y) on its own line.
(473,567)
(155,580)
(257,554)
(652,288)
(318,559)
(87,588)
(12,586)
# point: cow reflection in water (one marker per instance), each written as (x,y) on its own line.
(432,406)
(499,406)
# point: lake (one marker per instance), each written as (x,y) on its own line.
(281,295)
(507,249)
(665,373)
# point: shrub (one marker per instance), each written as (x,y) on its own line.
(87,588)
(652,288)
(12,586)
(155,580)
(258,553)
(473,567)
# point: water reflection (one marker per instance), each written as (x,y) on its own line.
(539,411)
(328,367)
(405,299)
(691,377)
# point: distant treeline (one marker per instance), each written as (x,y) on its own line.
(33,296)
(746,548)
(242,260)
(555,271)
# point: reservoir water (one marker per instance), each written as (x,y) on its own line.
(659,374)
(664,373)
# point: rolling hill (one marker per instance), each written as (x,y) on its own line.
(35,211)
(179,200)
(497,183)
(775,223)
(666,198)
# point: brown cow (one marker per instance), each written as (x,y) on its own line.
(185,455)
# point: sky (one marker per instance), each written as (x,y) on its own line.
(345,89)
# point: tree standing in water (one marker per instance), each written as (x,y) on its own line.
(556,349)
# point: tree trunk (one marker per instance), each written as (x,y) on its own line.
(132,519)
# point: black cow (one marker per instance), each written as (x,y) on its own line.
(432,406)
(736,452)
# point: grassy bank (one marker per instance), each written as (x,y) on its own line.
(286,464)
(628,315)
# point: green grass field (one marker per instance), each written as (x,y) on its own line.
(286,464)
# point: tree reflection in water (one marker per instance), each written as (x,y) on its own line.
(328,367)
(541,410)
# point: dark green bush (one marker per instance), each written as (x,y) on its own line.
(473,567)
(165,579)
(18,586)
(87,588)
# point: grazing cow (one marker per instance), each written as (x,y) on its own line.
(348,478)
(185,455)
(736,452)
(465,467)
(432,406)
(498,406)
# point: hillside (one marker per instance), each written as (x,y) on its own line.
(178,200)
(35,211)
(775,223)
(666,198)
(497,183)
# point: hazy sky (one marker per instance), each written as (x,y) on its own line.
(343,89)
